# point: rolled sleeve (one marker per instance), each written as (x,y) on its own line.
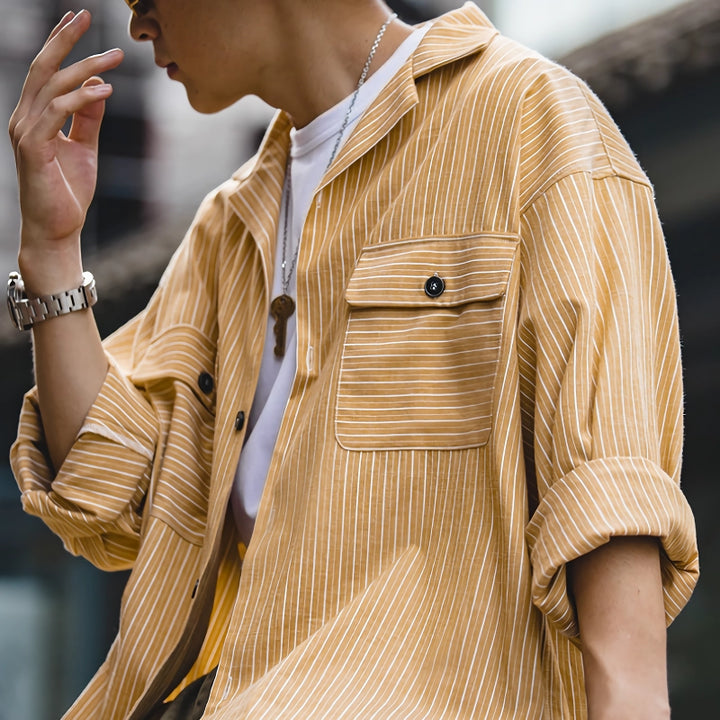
(599,500)
(600,367)
(94,501)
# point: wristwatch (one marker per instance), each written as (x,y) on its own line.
(26,312)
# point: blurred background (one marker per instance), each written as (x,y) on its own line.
(656,66)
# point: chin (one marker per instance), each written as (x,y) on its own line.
(204,107)
(205,104)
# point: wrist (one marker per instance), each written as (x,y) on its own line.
(27,312)
(50,270)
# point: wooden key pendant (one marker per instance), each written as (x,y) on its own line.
(281,308)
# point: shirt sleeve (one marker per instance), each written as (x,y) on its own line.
(94,501)
(602,386)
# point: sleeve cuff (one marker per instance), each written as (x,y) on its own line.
(103,480)
(601,499)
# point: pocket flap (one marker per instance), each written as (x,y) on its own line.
(474,268)
(181,352)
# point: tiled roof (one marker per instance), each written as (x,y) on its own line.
(651,55)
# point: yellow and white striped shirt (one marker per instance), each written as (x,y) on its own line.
(442,456)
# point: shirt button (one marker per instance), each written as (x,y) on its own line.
(206,383)
(239,421)
(434,286)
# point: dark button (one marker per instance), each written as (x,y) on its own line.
(206,383)
(197,583)
(239,421)
(434,286)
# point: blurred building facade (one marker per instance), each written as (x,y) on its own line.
(660,78)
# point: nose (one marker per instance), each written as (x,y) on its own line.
(143,28)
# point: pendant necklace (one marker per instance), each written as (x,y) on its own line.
(283,306)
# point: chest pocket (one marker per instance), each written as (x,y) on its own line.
(422,343)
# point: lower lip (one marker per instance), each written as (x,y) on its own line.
(172,70)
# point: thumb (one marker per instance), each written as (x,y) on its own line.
(85,127)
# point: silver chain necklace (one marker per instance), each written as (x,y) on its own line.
(283,306)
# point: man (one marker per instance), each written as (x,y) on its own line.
(434,313)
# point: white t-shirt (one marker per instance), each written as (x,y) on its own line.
(310,151)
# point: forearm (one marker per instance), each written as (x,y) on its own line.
(70,364)
(618,596)
(57,174)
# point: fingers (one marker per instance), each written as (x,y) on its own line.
(45,79)
(87,101)
(86,122)
(61,41)
(66,18)
(67,79)
(41,123)
(41,100)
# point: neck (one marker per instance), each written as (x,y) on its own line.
(320,54)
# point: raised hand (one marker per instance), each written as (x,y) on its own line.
(57,173)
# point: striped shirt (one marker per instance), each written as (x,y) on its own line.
(442,456)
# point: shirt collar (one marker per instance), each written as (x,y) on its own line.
(451,37)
